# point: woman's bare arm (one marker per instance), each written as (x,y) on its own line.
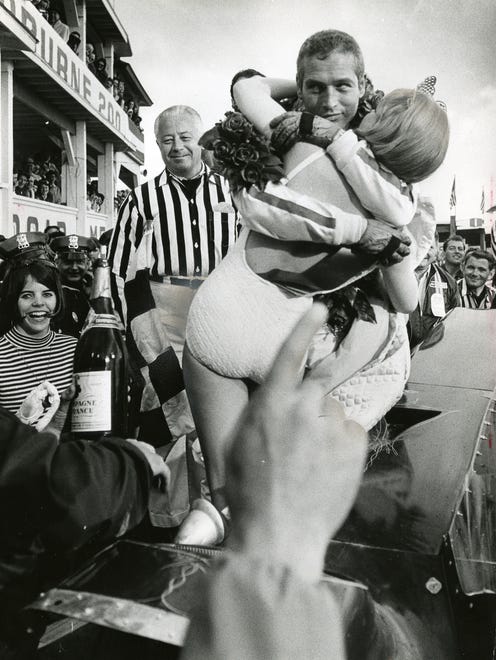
(257,98)
(401,285)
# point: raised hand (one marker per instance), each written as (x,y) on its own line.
(39,406)
(295,464)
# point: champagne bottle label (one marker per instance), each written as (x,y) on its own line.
(92,405)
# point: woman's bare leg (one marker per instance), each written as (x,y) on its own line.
(216,403)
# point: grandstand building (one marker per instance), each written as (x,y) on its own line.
(55,111)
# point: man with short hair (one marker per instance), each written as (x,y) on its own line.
(330,76)
(477,268)
(438,293)
(186,218)
(189,211)
(72,259)
(454,248)
(330,82)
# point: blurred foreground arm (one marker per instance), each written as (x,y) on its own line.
(72,492)
(293,473)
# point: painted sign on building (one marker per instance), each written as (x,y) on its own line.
(34,215)
(71,73)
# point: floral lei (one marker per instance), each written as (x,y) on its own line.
(242,154)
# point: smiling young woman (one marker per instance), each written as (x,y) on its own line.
(36,305)
(30,352)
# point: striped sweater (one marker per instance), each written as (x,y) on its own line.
(25,362)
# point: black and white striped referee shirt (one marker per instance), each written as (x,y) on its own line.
(191,233)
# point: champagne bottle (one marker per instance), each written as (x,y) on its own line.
(100,366)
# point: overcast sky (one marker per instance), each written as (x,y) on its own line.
(186,51)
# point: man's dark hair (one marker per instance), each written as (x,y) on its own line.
(479,254)
(453,237)
(321,44)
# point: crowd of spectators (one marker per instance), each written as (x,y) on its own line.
(43,6)
(97,65)
(94,198)
(448,278)
(127,103)
(116,86)
(38,178)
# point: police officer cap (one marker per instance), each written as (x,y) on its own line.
(29,246)
(72,246)
(52,231)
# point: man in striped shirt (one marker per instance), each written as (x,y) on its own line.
(188,211)
(171,232)
(437,294)
(477,268)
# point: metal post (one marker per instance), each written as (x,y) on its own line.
(6,146)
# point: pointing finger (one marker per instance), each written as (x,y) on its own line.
(286,370)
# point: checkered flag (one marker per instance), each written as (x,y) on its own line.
(428,86)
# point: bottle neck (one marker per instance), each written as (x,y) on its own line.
(101,297)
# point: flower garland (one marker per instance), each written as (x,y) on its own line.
(243,155)
(368,101)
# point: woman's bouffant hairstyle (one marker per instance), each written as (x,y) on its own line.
(43,272)
(408,133)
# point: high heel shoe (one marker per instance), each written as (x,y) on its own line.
(203,525)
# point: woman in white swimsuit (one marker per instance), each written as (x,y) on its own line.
(239,319)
